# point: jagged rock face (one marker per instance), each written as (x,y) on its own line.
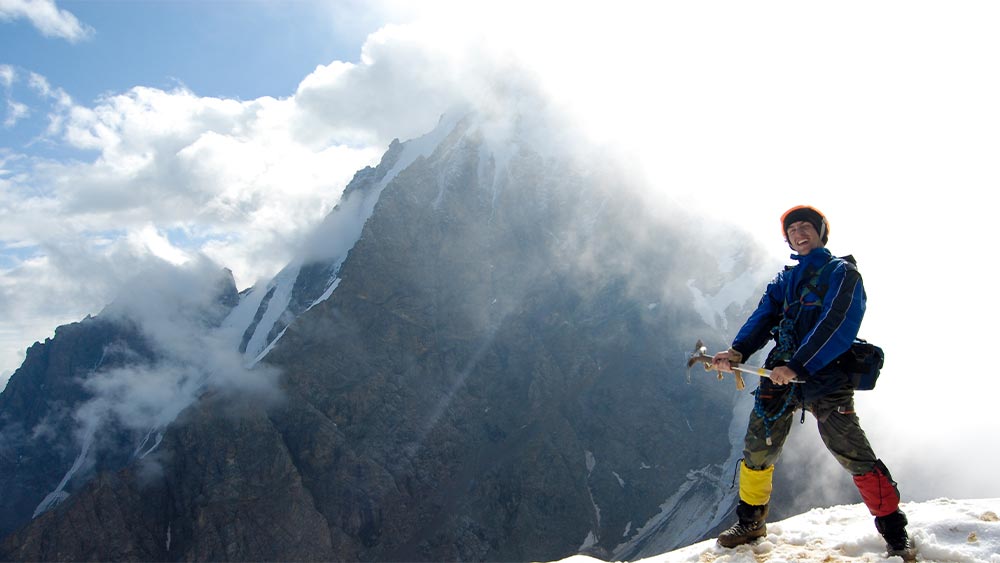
(313,274)
(37,428)
(237,496)
(40,410)
(470,360)
(498,376)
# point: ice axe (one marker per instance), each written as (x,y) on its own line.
(700,354)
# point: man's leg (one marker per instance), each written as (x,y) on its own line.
(842,433)
(761,448)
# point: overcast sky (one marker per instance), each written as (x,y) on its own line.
(133,132)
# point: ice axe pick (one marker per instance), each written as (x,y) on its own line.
(700,354)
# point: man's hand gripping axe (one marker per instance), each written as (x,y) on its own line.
(700,354)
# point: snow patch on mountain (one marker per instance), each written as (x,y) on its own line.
(265,311)
(279,294)
(698,505)
(701,503)
(592,537)
(59,494)
(736,292)
(330,243)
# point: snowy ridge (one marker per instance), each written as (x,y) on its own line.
(698,505)
(738,280)
(712,307)
(330,243)
(943,530)
(592,537)
(280,292)
(498,151)
(156,434)
(59,494)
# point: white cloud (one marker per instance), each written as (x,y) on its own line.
(173,175)
(206,166)
(240,181)
(15,112)
(399,89)
(159,245)
(173,307)
(61,281)
(7,75)
(48,18)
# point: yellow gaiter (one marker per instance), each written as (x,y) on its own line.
(755,486)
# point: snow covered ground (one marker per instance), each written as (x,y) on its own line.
(944,531)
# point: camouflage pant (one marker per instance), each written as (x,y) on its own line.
(839,428)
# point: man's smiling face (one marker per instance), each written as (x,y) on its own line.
(803,238)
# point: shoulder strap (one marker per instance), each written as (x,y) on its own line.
(812,284)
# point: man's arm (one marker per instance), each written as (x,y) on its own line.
(756,331)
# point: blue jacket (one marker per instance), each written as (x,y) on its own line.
(818,328)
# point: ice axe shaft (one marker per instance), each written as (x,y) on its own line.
(700,354)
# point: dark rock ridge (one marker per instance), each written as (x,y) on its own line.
(310,276)
(497,376)
(37,429)
(40,431)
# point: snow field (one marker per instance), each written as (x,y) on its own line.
(944,531)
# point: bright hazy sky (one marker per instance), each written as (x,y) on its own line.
(132,132)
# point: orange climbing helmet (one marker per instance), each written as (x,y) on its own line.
(806,213)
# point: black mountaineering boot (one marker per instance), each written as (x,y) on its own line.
(897,542)
(750,527)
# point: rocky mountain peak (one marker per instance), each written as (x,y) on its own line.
(478,355)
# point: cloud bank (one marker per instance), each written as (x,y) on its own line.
(156,174)
(178,309)
(45,16)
